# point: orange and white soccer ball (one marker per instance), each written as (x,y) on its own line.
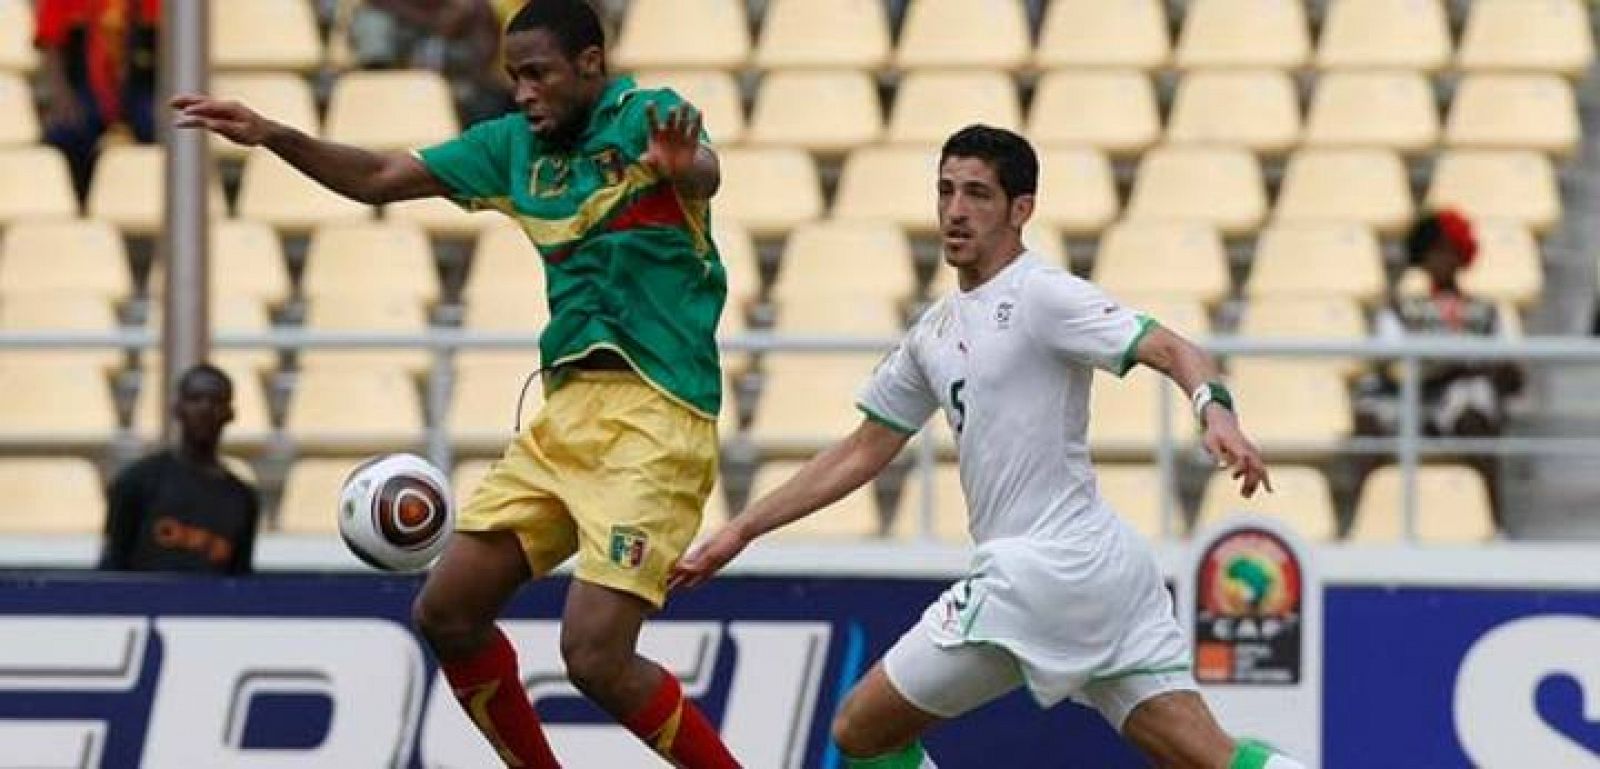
(396,512)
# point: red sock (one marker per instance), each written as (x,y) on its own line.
(675,728)
(489,689)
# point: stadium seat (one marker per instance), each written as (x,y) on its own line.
(240,37)
(380,259)
(1299,316)
(1082,34)
(1453,507)
(1255,109)
(482,415)
(83,257)
(713,92)
(769,191)
(949,521)
(1178,259)
(51,495)
(1184,316)
(310,503)
(56,406)
(1317,259)
(228,313)
(391,110)
(930,106)
(945,34)
(739,261)
(1270,34)
(1521,36)
(1134,492)
(63,311)
(1516,185)
(1127,417)
(1300,499)
(1385,34)
(129,189)
(16,36)
(19,122)
(1382,110)
(354,409)
(1077,191)
(1043,239)
(1217,186)
(504,260)
(823,260)
(820,111)
(441,218)
(1366,186)
(1507,268)
(250,430)
(808,400)
(1291,408)
(823,34)
(1534,112)
(853,518)
(374,313)
(893,184)
(245,260)
(1114,111)
(837,314)
(283,96)
(273,192)
(512,311)
(35,184)
(683,34)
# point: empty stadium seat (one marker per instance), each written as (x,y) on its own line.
(1218,186)
(943,34)
(1521,36)
(1077,191)
(1535,112)
(1453,507)
(1383,110)
(516,311)
(53,311)
(683,34)
(392,110)
(1312,259)
(380,259)
(441,218)
(1127,417)
(1300,499)
(930,106)
(830,259)
(1255,109)
(1095,33)
(354,409)
(1113,110)
(1385,34)
(1181,315)
(1178,259)
(83,257)
(769,191)
(245,260)
(56,406)
(714,93)
(129,189)
(1322,318)
(310,503)
(1291,408)
(265,34)
(894,184)
(283,96)
(855,517)
(949,522)
(823,34)
(839,313)
(250,430)
(1271,34)
(1135,492)
(273,192)
(228,313)
(366,313)
(51,495)
(35,184)
(16,36)
(19,123)
(504,260)
(739,262)
(482,416)
(1367,186)
(1515,185)
(1506,269)
(808,400)
(820,111)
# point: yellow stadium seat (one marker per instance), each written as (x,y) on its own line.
(933,105)
(1385,34)
(1516,185)
(393,110)
(245,260)
(808,400)
(1366,186)
(468,477)
(35,184)
(229,313)
(283,96)
(1218,186)
(354,409)
(1506,269)
(1127,417)
(1077,191)
(841,314)
(1453,507)
(16,36)
(853,518)
(1272,34)
(894,184)
(239,38)
(273,192)
(1384,110)
(1255,109)
(1323,318)
(310,503)
(128,189)
(944,34)
(83,257)
(1318,259)
(861,259)
(823,34)
(441,218)
(1534,112)
(1300,499)
(482,416)
(366,313)
(1135,492)
(511,311)
(63,311)
(56,406)
(769,191)
(387,259)
(1038,237)
(250,430)
(739,261)
(683,34)
(949,521)
(1178,259)
(1522,36)
(714,93)
(1094,33)
(1291,407)
(51,495)
(19,123)
(1114,111)
(1184,316)
(504,260)
(821,111)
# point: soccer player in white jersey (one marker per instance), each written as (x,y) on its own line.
(1062,597)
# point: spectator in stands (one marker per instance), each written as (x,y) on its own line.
(460,38)
(181,509)
(99,71)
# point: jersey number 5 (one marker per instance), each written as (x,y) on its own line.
(959,405)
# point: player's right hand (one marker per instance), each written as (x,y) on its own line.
(228,119)
(707,558)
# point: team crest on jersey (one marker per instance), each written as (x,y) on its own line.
(628,545)
(1002,315)
(549,177)
(611,165)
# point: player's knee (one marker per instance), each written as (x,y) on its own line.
(450,632)
(592,667)
(856,738)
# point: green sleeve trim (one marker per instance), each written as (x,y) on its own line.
(1130,356)
(909,757)
(886,421)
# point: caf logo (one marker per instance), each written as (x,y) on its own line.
(1250,573)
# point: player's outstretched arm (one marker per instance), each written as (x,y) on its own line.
(675,152)
(369,177)
(826,479)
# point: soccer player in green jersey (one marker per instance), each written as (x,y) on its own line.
(611,182)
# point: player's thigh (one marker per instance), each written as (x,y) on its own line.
(1176,729)
(463,593)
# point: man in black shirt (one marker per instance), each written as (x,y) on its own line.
(180,509)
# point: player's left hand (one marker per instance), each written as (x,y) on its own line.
(674,143)
(1226,444)
(707,558)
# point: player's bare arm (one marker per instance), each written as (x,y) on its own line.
(369,177)
(676,153)
(1194,371)
(826,479)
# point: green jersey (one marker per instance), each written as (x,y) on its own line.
(629,264)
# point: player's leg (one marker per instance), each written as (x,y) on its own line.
(878,728)
(1175,730)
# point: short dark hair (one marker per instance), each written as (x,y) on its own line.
(1012,156)
(203,370)
(574,23)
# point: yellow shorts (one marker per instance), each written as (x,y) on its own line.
(612,470)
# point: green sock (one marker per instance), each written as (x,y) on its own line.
(1250,754)
(910,757)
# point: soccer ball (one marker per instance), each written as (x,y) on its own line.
(395,512)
